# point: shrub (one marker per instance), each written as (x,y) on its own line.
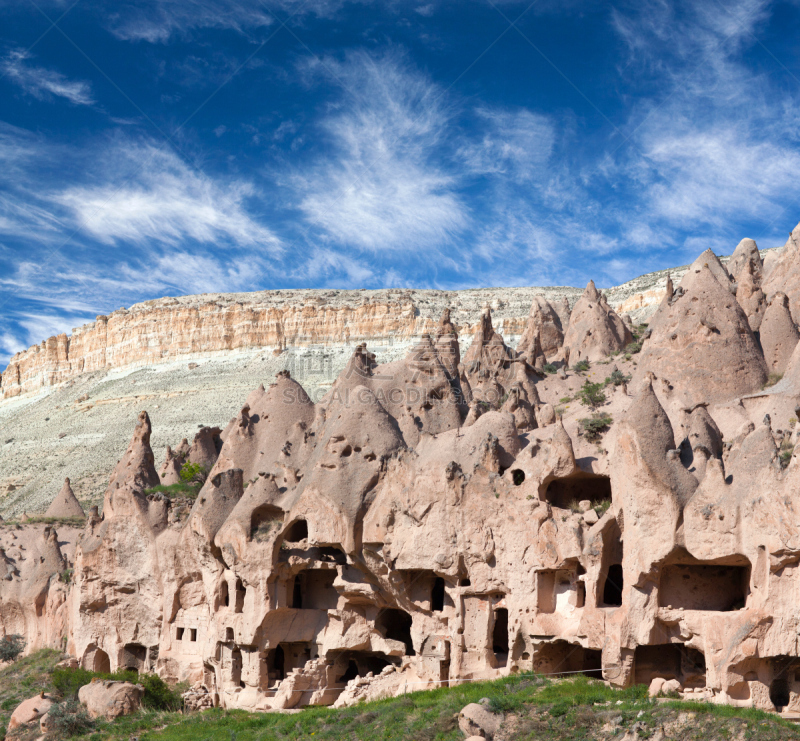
(581,366)
(11,647)
(617,378)
(67,682)
(602,507)
(183,489)
(69,718)
(591,395)
(550,368)
(633,348)
(158,695)
(65,576)
(193,472)
(594,426)
(772,379)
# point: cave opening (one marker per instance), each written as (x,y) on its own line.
(437,595)
(240,595)
(518,476)
(612,586)
(297,531)
(224,595)
(694,585)
(395,625)
(350,673)
(567,492)
(561,657)
(297,594)
(669,661)
(500,635)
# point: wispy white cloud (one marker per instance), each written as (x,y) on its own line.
(156,21)
(150,194)
(381,186)
(517,144)
(45,84)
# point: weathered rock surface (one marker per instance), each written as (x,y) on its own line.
(65,504)
(778,335)
(595,329)
(110,699)
(702,330)
(427,521)
(30,711)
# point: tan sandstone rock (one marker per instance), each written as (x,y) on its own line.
(779,335)
(595,329)
(110,699)
(65,504)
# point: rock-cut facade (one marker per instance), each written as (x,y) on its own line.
(439,519)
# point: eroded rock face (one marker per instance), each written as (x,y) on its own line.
(595,329)
(410,528)
(702,330)
(65,504)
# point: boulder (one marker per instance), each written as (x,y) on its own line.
(110,698)
(476,720)
(30,711)
(595,329)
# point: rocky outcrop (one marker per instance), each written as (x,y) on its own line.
(746,254)
(544,330)
(391,535)
(65,504)
(110,699)
(779,335)
(702,330)
(595,329)
(783,274)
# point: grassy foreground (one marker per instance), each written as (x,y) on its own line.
(535,708)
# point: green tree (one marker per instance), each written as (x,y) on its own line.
(591,395)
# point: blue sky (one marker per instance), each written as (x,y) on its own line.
(165,147)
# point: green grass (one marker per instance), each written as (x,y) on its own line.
(23,679)
(41,520)
(563,710)
(559,710)
(186,489)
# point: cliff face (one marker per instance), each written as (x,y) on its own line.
(170,328)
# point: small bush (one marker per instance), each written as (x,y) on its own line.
(633,348)
(550,369)
(602,507)
(65,576)
(594,426)
(785,457)
(581,366)
(617,378)
(11,647)
(565,400)
(69,718)
(188,490)
(193,472)
(772,380)
(591,395)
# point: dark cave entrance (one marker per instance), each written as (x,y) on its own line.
(562,493)
(437,595)
(396,626)
(500,635)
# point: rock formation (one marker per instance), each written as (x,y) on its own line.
(595,329)
(778,335)
(431,519)
(543,329)
(702,330)
(65,504)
